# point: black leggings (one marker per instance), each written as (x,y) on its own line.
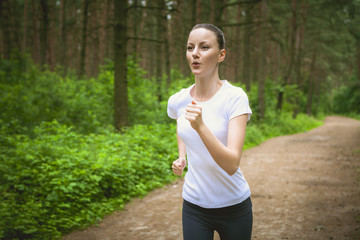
(232,223)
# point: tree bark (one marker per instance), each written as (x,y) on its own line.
(166,51)
(237,47)
(52,37)
(218,12)
(299,56)
(136,21)
(36,39)
(262,66)
(24,40)
(5,27)
(44,27)
(120,81)
(358,60)
(62,42)
(94,47)
(158,58)
(311,84)
(287,76)
(198,12)
(246,48)
(109,30)
(83,38)
(193,12)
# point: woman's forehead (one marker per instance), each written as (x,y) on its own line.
(201,35)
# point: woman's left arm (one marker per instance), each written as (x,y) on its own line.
(227,157)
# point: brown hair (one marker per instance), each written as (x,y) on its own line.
(219,34)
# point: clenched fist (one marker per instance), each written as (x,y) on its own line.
(194,115)
(178,166)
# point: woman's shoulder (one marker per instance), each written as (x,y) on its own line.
(178,101)
(233,91)
(183,93)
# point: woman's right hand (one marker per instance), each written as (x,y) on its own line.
(178,166)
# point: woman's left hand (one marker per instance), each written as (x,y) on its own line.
(194,115)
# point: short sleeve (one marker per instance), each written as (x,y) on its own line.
(239,104)
(171,107)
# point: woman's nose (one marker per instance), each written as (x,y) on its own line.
(195,53)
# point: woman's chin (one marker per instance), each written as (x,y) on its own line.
(196,72)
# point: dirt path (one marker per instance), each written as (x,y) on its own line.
(304,186)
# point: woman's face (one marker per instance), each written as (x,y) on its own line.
(203,53)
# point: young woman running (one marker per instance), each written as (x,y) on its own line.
(211,121)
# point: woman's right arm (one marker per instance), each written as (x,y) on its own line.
(179,164)
(181,146)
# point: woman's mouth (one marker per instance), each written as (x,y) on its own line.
(196,64)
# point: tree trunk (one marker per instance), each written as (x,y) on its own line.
(217,12)
(136,21)
(62,43)
(246,48)
(36,38)
(83,38)
(318,76)
(198,12)
(5,27)
(237,47)
(298,64)
(299,56)
(52,37)
(311,84)
(358,59)
(24,40)
(72,36)
(287,76)
(94,47)
(158,58)
(193,12)
(166,51)
(262,66)
(108,30)
(44,27)
(120,81)
(134,30)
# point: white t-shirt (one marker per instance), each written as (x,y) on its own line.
(206,183)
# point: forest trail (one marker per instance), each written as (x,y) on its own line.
(304,186)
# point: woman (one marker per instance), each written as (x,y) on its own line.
(211,121)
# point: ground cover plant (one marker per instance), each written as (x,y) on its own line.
(59,180)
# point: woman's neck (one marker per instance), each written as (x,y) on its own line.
(205,88)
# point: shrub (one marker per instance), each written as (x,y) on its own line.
(61,180)
(274,126)
(347,98)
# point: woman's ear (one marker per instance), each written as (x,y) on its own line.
(222,55)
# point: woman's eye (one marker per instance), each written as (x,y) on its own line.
(189,48)
(205,47)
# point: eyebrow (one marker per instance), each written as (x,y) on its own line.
(203,42)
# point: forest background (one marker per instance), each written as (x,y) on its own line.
(84,87)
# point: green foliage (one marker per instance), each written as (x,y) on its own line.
(277,125)
(60,180)
(85,104)
(347,97)
(36,96)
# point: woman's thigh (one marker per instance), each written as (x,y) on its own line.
(232,223)
(236,228)
(195,225)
